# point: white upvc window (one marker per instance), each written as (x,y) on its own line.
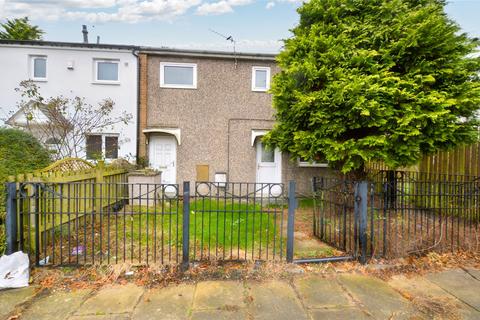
(38,68)
(305,163)
(260,78)
(106,71)
(178,75)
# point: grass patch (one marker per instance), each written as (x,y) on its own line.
(222,229)
(233,225)
(305,203)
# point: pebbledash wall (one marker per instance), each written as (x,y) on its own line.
(70,73)
(216,119)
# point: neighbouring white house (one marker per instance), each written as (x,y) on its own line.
(92,71)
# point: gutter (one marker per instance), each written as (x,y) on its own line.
(208,54)
(66,45)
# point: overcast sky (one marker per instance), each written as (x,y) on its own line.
(256,25)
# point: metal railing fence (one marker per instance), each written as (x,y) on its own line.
(88,223)
(84,223)
(405,213)
(391,214)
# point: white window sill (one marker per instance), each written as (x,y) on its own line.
(171,86)
(39,79)
(110,83)
(312,165)
(259,90)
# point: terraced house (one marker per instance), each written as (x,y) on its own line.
(86,70)
(197,115)
(202,115)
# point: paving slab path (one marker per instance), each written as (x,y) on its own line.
(57,305)
(458,283)
(452,294)
(10,299)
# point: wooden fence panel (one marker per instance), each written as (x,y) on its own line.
(464,160)
(80,191)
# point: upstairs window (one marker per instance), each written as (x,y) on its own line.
(178,75)
(101,145)
(260,78)
(38,68)
(106,71)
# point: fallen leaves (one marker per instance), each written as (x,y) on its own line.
(159,276)
(436,308)
(431,262)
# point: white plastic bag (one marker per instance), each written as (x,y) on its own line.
(14,270)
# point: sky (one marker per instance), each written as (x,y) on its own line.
(256,25)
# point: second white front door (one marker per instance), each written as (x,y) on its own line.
(269,164)
(163,156)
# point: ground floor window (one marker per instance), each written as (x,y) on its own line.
(321,162)
(100,146)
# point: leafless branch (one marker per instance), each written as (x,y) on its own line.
(69,120)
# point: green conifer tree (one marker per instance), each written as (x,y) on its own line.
(375,80)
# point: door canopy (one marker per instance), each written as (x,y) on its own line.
(173,131)
(256,134)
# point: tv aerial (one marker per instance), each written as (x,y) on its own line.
(228,38)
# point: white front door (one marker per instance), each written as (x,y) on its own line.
(163,156)
(269,165)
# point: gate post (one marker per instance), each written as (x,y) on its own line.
(98,185)
(37,224)
(291,220)
(186,226)
(314,211)
(11,218)
(361,201)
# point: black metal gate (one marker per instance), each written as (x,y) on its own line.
(237,221)
(340,217)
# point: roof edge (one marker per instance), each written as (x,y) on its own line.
(207,53)
(42,43)
(145,49)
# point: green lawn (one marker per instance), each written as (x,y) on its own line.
(217,228)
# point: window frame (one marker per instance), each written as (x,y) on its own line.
(52,143)
(104,145)
(178,64)
(314,164)
(96,61)
(254,76)
(86,145)
(32,68)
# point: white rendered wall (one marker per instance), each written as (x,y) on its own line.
(15,67)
